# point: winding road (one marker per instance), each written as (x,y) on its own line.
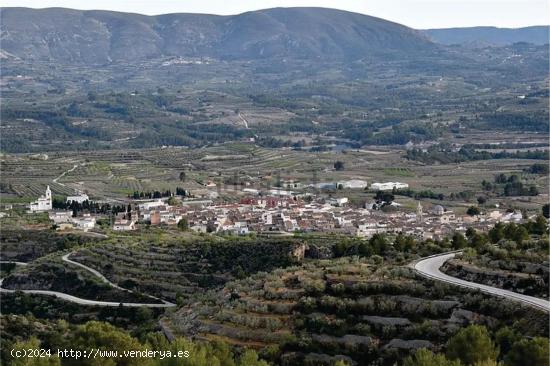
(55,180)
(429,267)
(81,301)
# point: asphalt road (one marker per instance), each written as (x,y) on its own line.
(429,267)
(81,301)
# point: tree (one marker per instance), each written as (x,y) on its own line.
(183,224)
(7,267)
(481,200)
(472,344)
(384,197)
(172,201)
(497,232)
(520,234)
(539,226)
(469,254)
(143,314)
(546,210)
(400,242)
(33,343)
(473,211)
(425,357)
(486,363)
(250,358)
(501,178)
(183,176)
(459,241)
(339,165)
(505,337)
(532,352)
(539,168)
(104,336)
(378,243)
(341,363)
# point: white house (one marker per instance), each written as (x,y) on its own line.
(78,198)
(59,217)
(149,205)
(84,223)
(324,185)
(368,229)
(43,203)
(352,184)
(388,186)
(124,225)
(340,201)
(494,215)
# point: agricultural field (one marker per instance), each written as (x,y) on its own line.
(158,264)
(349,308)
(115,174)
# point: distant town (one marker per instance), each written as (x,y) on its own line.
(275,211)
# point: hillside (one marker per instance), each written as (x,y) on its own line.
(99,37)
(489,35)
(341,309)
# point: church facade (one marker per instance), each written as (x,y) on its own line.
(43,203)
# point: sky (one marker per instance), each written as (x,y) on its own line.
(419,14)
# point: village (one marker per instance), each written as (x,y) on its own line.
(277,212)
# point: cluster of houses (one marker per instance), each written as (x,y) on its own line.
(280,214)
(63,219)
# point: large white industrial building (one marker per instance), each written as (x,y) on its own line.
(388,186)
(79,198)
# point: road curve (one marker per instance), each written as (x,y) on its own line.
(429,267)
(81,301)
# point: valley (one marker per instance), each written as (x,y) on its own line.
(288,186)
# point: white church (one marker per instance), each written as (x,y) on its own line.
(43,203)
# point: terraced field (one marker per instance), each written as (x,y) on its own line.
(28,245)
(49,273)
(115,174)
(346,308)
(172,270)
(29,177)
(520,268)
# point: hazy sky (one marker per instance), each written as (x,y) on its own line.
(414,13)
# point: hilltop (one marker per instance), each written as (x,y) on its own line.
(99,37)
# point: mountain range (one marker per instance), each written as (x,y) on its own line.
(490,35)
(69,36)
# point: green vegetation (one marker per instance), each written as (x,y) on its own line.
(105,337)
(509,186)
(472,345)
(444,154)
(165,265)
(424,357)
(361,305)
(509,256)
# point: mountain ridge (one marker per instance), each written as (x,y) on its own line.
(488,35)
(96,36)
